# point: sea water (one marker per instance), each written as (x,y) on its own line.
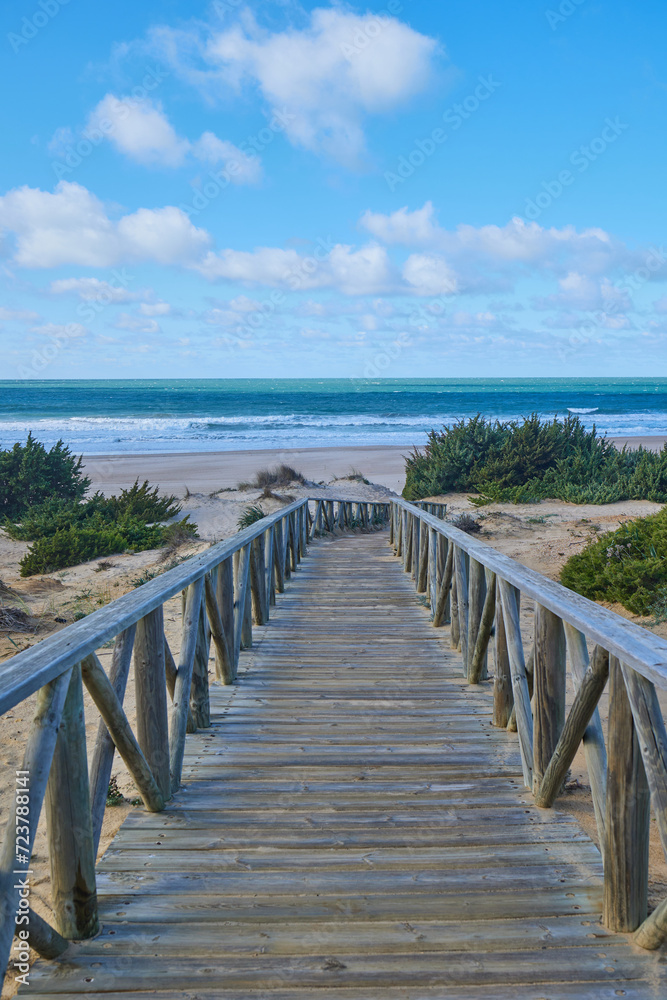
(186,415)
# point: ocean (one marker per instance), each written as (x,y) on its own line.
(186,415)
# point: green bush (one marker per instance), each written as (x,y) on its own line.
(249,515)
(66,532)
(30,475)
(628,565)
(531,460)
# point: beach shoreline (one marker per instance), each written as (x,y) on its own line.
(205,472)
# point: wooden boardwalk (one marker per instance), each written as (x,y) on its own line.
(352,826)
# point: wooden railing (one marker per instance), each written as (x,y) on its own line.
(479,591)
(224,590)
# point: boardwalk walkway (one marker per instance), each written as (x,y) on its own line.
(352,826)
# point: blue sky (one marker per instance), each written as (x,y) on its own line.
(400,189)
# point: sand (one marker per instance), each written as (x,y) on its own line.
(541,536)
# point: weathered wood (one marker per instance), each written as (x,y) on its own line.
(279,556)
(68,822)
(170,670)
(44,938)
(224,653)
(25,673)
(524,718)
(110,708)
(200,706)
(151,698)
(36,764)
(444,589)
(103,754)
(479,656)
(503,695)
(421,577)
(585,703)
(461,570)
(653,931)
(594,745)
(627,817)
(241,579)
(455,628)
(432,583)
(652,737)
(407,540)
(178,714)
(258,580)
(549,669)
(269,573)
(476,598)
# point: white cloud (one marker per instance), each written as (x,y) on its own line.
(71,226)
(329,74)
(580,291)
(353,272)
(407,228)
(154,309)
(140,129)
(429,274)
(137,325)
(241,168)
(93,290)
(61,331)
(17,315)
(488,257)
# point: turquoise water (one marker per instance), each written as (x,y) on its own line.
(137,416)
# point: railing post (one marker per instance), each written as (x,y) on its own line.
(200,704)
(503,696)
(476,595)
(421,579)
(416,552)
(627,815)
(224,589)
(258,579)
(433,578)
(407,541)
(151,697)
(455,626)
(461,569)
(549,690)
(69,824)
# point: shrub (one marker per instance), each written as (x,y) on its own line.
(464,522)
(29,475)
(282,475)
(531,460)
(249,516)
(66,532)
(628,565)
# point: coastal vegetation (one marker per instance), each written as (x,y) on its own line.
(43,502)
(628,565)
(525,461)
(282,475)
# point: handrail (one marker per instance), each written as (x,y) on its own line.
(26,672)
(479,590)
(642,650)
(224,590)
